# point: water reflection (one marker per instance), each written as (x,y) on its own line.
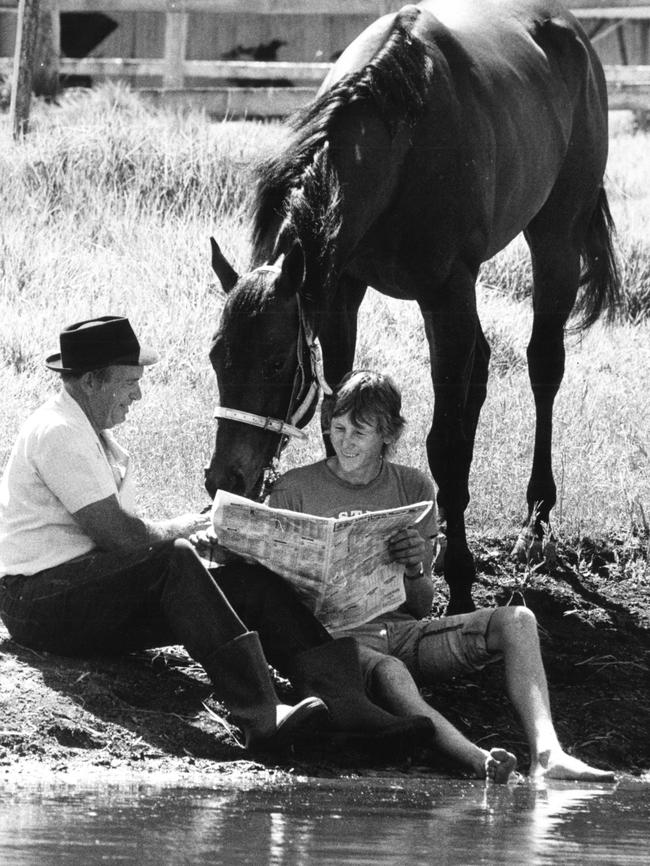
(359,821)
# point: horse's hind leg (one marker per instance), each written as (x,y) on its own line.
(556,271)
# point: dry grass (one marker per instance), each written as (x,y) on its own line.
(108,206)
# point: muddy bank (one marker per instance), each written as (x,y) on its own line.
(152,715)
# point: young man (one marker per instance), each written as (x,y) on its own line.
(81,572)
(365,420)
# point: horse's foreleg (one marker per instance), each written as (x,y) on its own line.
(338,338)
(459,357)
(478,383)
(556,273)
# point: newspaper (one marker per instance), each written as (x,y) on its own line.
(338,566)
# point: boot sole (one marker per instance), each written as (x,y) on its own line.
(307,719)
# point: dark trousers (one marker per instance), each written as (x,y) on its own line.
(107,603)
(269,606)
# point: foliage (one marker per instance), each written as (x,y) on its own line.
(107,206)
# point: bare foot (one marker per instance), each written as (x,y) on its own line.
(499,765)
(559,765)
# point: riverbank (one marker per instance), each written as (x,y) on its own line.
(152,717)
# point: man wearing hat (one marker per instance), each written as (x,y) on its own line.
(82,573)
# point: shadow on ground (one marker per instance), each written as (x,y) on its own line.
(156,709)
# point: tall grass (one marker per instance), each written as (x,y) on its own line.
(108,205)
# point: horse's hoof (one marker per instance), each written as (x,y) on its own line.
(550,553)
(527,548)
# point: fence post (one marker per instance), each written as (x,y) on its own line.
(175,48)
(644,31)
(21,91)
(45,80)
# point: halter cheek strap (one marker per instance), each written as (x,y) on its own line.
(312,396)
(316,357)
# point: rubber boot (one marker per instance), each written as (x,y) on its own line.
(240,675)
(335,672)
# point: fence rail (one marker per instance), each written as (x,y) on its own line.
(628,86)
(581,8)
(257,7)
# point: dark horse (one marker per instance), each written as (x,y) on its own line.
(443,131)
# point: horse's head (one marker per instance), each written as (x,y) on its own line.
(267,365)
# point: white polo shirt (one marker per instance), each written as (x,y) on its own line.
(57,466)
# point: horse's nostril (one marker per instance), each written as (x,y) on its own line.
(233,481)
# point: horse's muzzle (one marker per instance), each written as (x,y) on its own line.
(231,480)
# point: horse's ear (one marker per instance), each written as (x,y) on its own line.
(223,269)
(292,270)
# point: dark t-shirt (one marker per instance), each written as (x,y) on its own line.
(316,489)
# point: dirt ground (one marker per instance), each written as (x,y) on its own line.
(153,714)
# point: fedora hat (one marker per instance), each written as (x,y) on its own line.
(97,343)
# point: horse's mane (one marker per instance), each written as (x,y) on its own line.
(300,184)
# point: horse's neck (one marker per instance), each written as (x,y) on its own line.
(316,294)
(264,248)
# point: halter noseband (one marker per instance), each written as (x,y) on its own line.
(317,383)
(272,424)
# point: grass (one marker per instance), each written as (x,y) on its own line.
(108,205)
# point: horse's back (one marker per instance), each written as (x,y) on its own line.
(518,86)
(508,48)
(497,35)
(485,29)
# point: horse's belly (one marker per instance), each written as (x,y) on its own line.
(517,183)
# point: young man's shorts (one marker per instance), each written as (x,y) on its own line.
(432,650)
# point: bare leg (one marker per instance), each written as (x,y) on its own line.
(513,632)
(394,688)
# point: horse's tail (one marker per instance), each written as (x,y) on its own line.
(600,279)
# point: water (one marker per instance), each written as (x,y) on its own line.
(357,821)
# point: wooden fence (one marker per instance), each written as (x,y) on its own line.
(629,85)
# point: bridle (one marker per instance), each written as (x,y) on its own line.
(309,385)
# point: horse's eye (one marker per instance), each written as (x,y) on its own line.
(272,368)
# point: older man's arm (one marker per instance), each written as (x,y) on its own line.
(113,528)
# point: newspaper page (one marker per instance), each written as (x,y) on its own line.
(338,566)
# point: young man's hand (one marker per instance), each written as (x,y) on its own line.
(408,548)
